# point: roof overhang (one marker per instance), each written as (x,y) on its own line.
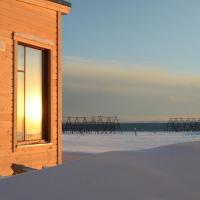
(63,3)
(57,5)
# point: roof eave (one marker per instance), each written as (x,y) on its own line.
(62,2)
(50,4)
(64,6)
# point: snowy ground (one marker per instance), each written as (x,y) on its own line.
(92,143)
(166,173)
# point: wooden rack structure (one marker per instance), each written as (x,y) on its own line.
(183,125)
(94,124)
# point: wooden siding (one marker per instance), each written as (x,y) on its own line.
(18,16)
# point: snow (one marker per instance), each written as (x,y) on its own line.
(168,172)
(93,143)
(165,173)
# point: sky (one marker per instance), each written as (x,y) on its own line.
(136,59)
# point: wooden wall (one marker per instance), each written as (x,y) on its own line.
(30,19)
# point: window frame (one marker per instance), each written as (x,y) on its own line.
(46,46)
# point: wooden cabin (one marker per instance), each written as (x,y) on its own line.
(30,83)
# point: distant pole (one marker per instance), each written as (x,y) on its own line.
(135,129)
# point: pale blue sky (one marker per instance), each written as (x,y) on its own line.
(135,31)
(163,35)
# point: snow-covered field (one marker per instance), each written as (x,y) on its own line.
(92,143)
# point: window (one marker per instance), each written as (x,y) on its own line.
(31,94)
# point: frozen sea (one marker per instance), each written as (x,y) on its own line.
(127,141)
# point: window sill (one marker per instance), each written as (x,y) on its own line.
(34,143)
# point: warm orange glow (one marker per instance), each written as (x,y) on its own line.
(34,109)
(33,116)
(20,107)
(29,95)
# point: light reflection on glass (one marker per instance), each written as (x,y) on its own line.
(20,106)
(33,91)
(29,94)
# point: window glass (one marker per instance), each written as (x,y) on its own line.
(33,94)
(20,106)
(29,93)
(20,57)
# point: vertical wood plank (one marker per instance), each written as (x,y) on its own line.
(59,86)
